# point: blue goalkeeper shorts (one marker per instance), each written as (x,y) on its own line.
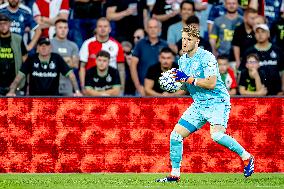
(198,114)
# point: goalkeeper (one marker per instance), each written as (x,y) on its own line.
(198,68)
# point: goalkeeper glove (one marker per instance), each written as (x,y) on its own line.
(180,76)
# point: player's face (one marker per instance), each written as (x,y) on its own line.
(186,11)
(44,49)
(189,43)
(249,18)
(166,59)
(231,6)
(14,3)
(4,27)
(261,35)
(103,28)
(102,63)
(223,65)
(61,30)
(252,63)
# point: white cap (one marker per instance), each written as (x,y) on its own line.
(262,26)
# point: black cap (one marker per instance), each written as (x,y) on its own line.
(3,17)
(43,40)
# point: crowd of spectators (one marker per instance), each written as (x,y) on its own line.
(121,47)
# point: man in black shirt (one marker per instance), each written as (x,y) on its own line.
(244,36)
(102,79)
(151,83)
(128,15)
(271,60)
(277,32)
(166,12)
(12,53)
(44,69)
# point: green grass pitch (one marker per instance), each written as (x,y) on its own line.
(136,181)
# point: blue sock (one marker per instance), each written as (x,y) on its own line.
(176,149)
(228,142)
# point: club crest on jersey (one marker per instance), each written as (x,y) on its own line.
(21,18)
(96,80)
(108,78)
(273,54)
(195,65)
(52,65)
(111,48)
(36,65)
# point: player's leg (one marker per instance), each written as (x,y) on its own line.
(190,121)
(217,131)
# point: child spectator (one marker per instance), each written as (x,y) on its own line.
(252,79)
(227,74)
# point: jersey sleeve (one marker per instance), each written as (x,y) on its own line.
(116,80)
(120,54)
(23,48)
(31,22)
(88,78)
(150,73)
(236,38)
(64,7)
(242,81)
(215,31)
(84,52)
(26,66)
(63,66)
(234,84)
(210,66)
(137,50)
(36,11)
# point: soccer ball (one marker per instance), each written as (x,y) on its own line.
(168,83)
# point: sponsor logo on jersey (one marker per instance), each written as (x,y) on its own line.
(44,74)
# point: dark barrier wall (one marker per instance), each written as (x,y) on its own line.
(131,135)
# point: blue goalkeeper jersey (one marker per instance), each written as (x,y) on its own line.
(202,65)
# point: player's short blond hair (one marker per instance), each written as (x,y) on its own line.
(192,30)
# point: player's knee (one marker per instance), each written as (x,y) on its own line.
(175,136)
(217,132)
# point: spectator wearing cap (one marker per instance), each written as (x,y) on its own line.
(44,69)
(12,54)
(271,60)
(22,20)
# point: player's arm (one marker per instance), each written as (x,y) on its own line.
(206,83)
(12,92)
